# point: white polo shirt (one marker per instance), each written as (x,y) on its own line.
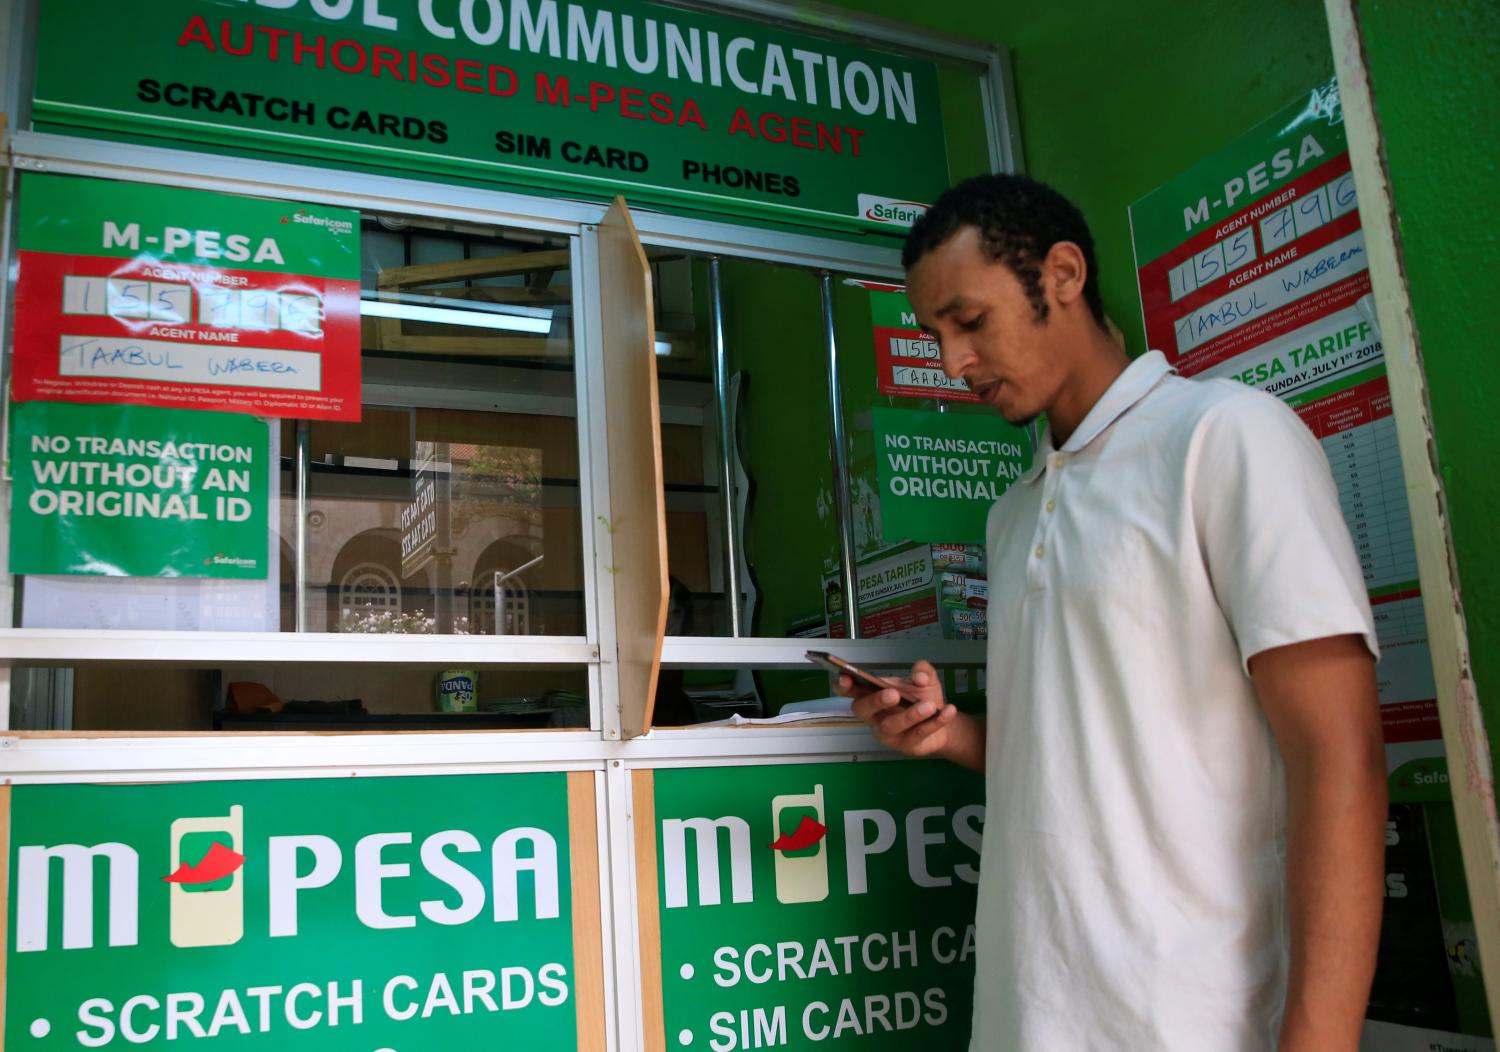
(1131,897)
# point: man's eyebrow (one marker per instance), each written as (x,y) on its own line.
(957,303)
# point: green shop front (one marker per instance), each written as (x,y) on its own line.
(437,431)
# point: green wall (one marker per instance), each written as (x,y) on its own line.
(1117,98)
(1437,96)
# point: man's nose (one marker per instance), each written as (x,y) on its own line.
(956,358)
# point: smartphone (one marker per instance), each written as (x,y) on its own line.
(868,680)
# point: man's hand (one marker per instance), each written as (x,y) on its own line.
(1320,700)
(930,727)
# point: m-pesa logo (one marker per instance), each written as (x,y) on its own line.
(800,843)
(205,882)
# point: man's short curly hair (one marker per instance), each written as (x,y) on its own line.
(1019,220)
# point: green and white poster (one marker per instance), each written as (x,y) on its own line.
(808,906)
(318,914)
(137,491)
(940,472)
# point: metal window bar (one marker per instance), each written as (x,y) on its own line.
(840,458)
(726,450)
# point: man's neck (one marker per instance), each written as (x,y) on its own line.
(1099,362)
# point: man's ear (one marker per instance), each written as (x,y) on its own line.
(1064,272)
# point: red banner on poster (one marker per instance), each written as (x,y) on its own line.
(182,299)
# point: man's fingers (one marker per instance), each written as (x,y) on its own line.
(874,705)
(903,720)
(922,673)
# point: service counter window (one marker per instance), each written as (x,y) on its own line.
(922,466)
(444,499)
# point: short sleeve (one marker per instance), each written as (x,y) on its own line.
(1273,537)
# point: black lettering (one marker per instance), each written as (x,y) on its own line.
(148,91)
(437,131)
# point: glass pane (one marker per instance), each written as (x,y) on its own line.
(783,481)
(452,506)
(333,698)
(692,696)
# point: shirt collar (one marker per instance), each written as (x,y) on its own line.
(1139,377)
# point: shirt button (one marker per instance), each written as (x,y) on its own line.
(1059,459)
(1052,505)
(1041,550)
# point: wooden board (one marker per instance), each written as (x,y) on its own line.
(588,940)
(643,814)
(4,898)
(1465,737)
(638,530)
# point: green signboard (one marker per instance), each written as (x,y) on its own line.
(807,906)
(359,914)
(137,491)
(670,106)
(940,472)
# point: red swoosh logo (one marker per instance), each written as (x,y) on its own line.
(219,863)
(807,833)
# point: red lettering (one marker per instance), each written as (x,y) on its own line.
(855,134)
(468,75)
(435,71)
(552,91)
(226,41)
(197,33)
(508,73)
(273,50)
(631,102)
(661,108)
(359,50)
(773,127)
(690,115)
(598,94)
(802,127)
(742,123)
(386,58)
(299,49)
(830,138)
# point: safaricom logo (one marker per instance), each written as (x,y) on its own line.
(206,882)
(801,870)
(890,210)
(303,217)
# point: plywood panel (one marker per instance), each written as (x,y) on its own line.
(643,814)
(633,422)
(4,878)
(588,940)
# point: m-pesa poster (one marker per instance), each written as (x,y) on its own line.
(807,906)
(327,914)
(1252,266)
(150,295)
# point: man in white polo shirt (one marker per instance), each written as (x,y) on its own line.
(1183,849)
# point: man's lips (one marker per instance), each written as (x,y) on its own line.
(983,388)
